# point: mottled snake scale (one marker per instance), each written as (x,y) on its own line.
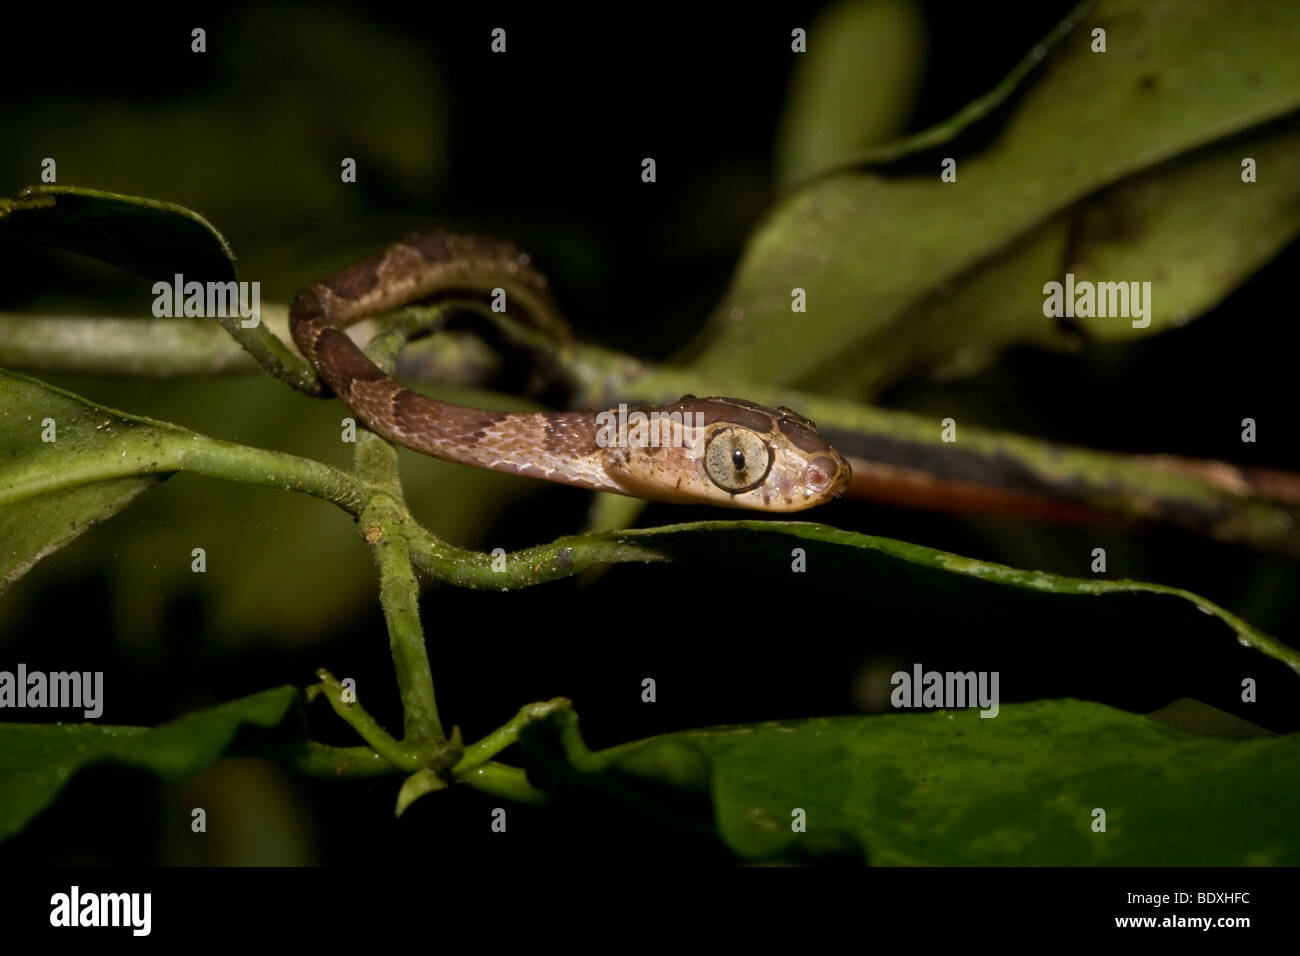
(719,451)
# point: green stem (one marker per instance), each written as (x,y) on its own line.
(561,558)
(145,348)
(322,760)
(385,525)
(510,783)
(366,726)
(574,554)
(212,458)
(272,469)
(1207,498)
(481,751)
(274,355)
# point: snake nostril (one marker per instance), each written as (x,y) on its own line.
(818,474)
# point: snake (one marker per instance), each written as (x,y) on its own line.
(718,451)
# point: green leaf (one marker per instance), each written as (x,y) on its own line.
(149,237)
(874,248)
(417,785)
(38,760)
(981,108)
(50,492)
(158,240)
(100,459)
(34,528)
(1184,227)
(951,787)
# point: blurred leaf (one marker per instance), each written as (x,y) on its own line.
(854,87)
(951,787)
(38,760)
(1197,231)
(1192,229)
(266,819)
(870,246)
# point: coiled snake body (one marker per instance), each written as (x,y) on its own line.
(717,451)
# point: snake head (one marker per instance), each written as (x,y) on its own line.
(734,454)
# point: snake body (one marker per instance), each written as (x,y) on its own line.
(719,451)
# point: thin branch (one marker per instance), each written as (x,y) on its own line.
(901,457)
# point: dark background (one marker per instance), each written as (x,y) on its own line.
(544,145)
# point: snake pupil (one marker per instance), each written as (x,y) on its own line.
(738,459)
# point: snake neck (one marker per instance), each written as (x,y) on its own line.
(559,446)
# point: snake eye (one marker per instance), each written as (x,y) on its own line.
(737,459)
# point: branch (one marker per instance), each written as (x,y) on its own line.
(899,458)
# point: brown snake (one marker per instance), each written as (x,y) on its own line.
(719,451)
